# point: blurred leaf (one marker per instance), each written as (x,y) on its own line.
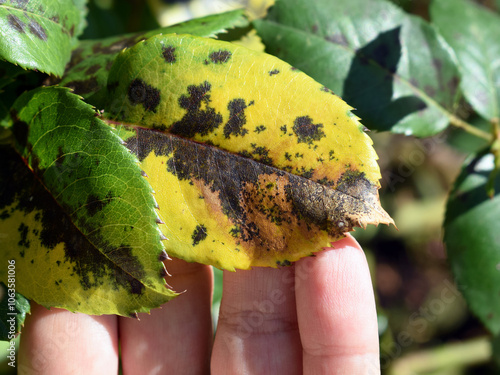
(473,240)
(88,70)
(260,165)
(473,32)
(392,67)
(76,211)
(9,311)
(118,17)
(39,35)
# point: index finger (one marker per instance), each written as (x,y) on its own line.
(336,311)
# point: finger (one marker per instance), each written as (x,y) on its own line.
(257,331)
(176,338)
(336,312)
(61,342)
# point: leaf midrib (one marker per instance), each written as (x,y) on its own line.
(239,156)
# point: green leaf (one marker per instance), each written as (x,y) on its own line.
(88,70)
(472,239)
(13,308)
(473,33)
(39,35)
(114,18)
(79,217)
(392,67)
(254,163)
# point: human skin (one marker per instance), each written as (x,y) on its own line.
(315,317)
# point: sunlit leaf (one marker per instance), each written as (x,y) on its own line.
(372,54)
(473,32)
(40,34)
(473,242)
(76,214)
(253,162)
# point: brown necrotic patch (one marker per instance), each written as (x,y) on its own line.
(16,23)
(306,131)
(140,92)
(168,53)
(37,30)
(264,205)
(237,118)
(220,57)
(85,257)
(200,118)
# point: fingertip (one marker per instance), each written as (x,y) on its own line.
(336,309)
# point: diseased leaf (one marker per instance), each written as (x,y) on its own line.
(253,162)
(88,70)
(370,53)
(39,34)
(78,215)
(13,310)
(473,32)
(474,255)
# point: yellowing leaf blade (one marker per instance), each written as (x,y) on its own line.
(253,162)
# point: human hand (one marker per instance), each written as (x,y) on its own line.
(315,317)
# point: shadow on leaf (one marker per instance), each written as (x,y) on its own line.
(369,83)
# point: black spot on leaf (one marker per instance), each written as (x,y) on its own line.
(273,72)
(237,118)
(37,30)
(284,263)
(306,131)
(337,39)
(96,204)
(169,54)
(140,92)
(16,23)
(220,57)
(93,69)
(23,232)
(199,234)
(200,118)
(84,86)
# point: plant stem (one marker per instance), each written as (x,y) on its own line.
(459,123)
(456,355)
